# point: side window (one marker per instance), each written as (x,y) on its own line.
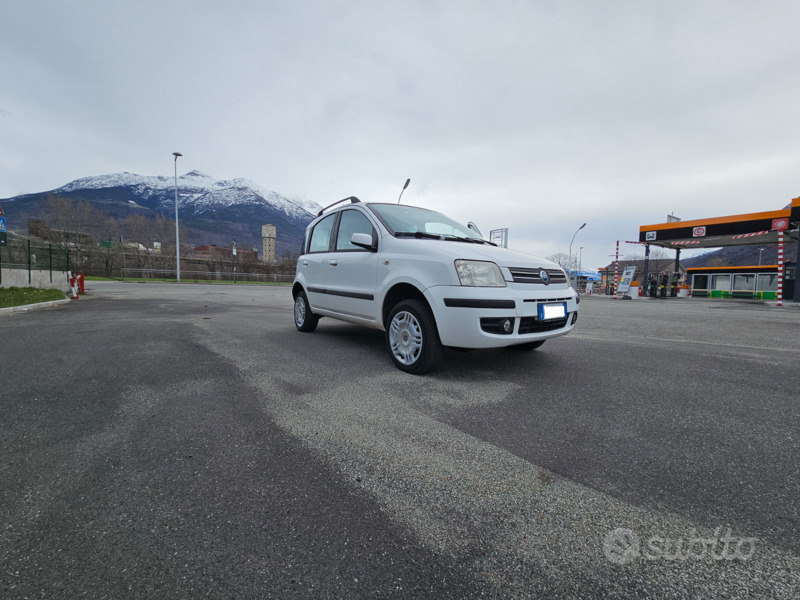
(321,235)
(352,221)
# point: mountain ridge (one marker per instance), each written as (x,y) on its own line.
(211,211)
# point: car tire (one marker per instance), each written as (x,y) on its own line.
(304,319)
(412,337)
(527,346)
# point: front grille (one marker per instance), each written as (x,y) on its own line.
(521,275)
(534,325)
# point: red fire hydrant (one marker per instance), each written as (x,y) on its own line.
(80,283)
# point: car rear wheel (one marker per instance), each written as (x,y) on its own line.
(304,319)
(412,337)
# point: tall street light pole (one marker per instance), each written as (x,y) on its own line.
(177,235)
(570,246)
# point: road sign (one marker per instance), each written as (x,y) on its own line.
(2,224)
(1,211)
(626,281)
(780,224)
(699,232)
(499,237)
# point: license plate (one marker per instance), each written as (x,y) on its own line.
(552,311)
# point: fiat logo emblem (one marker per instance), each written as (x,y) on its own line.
(544,276)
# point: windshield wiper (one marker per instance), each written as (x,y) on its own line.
(455,238)
(435,236)
(418,234)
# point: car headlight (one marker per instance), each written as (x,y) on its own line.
(479,273)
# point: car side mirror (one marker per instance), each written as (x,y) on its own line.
(364,240)
(474,228)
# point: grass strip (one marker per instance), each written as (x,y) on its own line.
(15,296)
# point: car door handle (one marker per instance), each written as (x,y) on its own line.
(305,263)
(333,262)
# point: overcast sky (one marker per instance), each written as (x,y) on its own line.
(532,115)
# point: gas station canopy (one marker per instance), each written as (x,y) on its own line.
(735,230)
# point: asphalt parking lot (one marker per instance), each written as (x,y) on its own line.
(179,441)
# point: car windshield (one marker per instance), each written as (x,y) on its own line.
(402,220)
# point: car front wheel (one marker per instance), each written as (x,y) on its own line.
(304,319)
(412,337)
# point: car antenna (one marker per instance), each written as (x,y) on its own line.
(403,190)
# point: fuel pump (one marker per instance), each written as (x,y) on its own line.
(652,285)
(673,285)
(663,283)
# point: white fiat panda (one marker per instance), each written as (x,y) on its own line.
(428,282)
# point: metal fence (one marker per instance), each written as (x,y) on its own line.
(30,256)
(33,256)
(186,275)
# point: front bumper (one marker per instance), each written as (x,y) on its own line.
(473,317)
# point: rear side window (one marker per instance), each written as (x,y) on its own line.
(321,235)
(352,221)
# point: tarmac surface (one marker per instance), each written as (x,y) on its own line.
(179,441)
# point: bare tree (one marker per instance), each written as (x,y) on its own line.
(137,229)
(164,232)
(287,263)
(656,253)
(72,225)
(564,261)
(112,229)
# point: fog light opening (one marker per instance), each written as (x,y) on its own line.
(498,326)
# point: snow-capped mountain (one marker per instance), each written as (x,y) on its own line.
(196,190)
(213,211)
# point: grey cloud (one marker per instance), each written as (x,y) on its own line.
(533,113)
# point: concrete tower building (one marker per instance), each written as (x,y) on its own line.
(268,234)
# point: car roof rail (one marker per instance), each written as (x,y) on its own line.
(352,199)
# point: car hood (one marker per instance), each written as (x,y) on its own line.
(503,257)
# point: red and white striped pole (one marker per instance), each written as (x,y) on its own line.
(616,271)
(780,268)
